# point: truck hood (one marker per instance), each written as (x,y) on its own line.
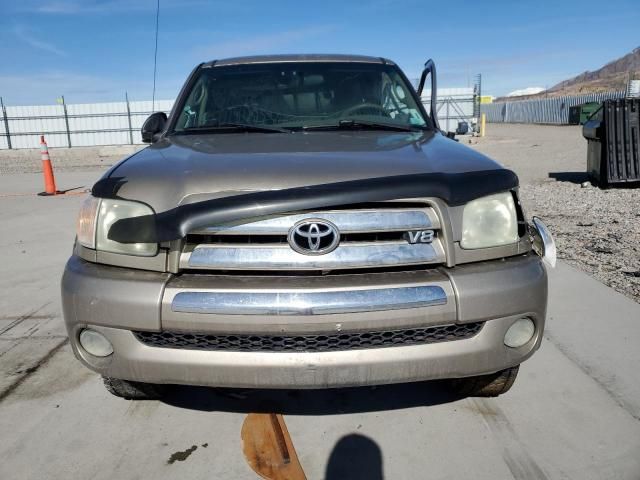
(186,169)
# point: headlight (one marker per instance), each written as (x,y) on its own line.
(95,219)
(489,222)
(86,223)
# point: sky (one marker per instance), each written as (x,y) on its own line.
(96,50)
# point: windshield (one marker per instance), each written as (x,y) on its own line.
(300,95)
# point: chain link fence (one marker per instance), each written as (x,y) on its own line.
(76,125)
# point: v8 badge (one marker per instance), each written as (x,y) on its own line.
(420,236)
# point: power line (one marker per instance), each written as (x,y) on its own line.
(155,59)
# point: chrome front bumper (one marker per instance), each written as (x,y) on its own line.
(307,303)
(117,301)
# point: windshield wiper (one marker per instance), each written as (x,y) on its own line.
(355,124)
(243,127)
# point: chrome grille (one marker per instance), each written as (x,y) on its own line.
(309,343)
(369,238)
(349,221)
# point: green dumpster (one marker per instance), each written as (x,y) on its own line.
(579,114)
(587,109)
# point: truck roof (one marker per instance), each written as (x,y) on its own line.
(297,58)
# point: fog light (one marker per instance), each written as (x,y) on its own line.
(95,343)
(519,333)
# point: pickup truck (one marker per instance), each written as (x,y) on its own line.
(301,221)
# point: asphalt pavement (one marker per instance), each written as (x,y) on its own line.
(573,413)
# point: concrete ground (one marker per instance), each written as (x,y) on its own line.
(574,412)
(64,159)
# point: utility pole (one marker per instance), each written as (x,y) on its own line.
(126,96)
(6,123)
(66,121)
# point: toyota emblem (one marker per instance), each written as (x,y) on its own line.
(314,237)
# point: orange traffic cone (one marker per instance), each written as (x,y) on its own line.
(47,170)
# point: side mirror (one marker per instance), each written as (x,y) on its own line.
(152,126)
(430,68)
(451,136)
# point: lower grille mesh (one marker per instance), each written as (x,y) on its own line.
(308,343)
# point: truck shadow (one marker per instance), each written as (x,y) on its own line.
(310,402)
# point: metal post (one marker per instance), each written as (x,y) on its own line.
(66,121)
(477,104)
(126,96)
(6,123)
(448,119)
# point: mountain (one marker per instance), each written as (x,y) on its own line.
(613,76)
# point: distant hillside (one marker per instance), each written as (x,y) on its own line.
(613,76)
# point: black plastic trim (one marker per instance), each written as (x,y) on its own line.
(453,188)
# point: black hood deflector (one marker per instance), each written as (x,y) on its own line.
(453,188)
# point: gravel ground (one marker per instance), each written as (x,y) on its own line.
(596,230)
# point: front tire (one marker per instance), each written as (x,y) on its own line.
(490,385)
(130,390)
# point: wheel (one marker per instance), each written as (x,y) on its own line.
(490,385)
(133,390)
